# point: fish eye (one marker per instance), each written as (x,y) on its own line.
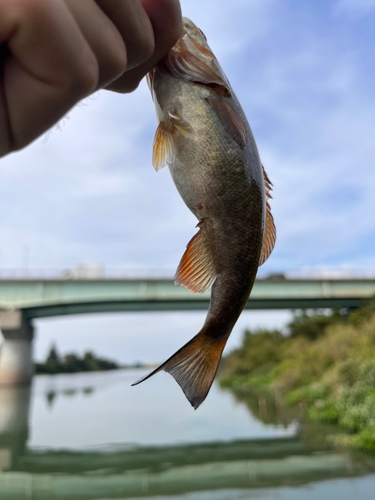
(204,36)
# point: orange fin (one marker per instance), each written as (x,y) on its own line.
(163,148)
(230,119)
(193,60)
(194,367)
(269,238)
(196,270)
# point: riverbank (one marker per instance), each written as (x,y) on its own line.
(74,363)
(325,365)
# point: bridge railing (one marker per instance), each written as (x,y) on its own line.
(84,272)
(99,272)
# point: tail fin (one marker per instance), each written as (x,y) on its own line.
(194,367)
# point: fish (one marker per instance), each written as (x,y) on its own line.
(205,139)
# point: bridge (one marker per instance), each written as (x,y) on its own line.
(40,298)
(23,299)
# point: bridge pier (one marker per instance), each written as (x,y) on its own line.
(16,359)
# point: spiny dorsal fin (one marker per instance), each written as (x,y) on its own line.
(196,270)
(269,238)
(230,119)
(194,367)
(163,147)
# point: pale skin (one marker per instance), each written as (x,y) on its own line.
(53,53)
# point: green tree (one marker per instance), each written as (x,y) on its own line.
(313,325)
(53,361)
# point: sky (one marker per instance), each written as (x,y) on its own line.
(86,192)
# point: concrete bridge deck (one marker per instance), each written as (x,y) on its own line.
(55,297)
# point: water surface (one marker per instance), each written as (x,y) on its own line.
(95,409)
(93,436)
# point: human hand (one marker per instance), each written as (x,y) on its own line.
(53,53)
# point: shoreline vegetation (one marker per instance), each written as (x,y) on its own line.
(73,363)
(324,367)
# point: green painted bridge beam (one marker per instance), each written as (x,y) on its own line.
(45,298)
(184,305)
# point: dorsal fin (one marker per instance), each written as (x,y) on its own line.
(196,270)
(269,238)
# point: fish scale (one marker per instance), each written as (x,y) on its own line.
(204,138)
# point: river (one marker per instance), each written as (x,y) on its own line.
(93,436)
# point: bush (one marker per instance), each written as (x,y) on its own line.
(326,365)
(260,350)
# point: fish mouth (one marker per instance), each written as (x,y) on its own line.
(192,59)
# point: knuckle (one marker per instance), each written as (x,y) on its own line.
(124,86)
(117,63)
(143,49)
(169,23)
(29,11)
(68,62)
(83,79)
(130,87)
(87,77)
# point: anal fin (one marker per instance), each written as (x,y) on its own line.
(194,367)
(196,270)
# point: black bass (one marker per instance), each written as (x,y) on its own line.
(204,138)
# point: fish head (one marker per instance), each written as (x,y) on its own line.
(191,59)
(195,33)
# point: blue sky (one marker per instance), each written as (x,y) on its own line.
(86,192)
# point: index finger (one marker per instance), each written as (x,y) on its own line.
(166,21)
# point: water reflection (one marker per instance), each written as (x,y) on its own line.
(14,427)
(52,394)
(268,408)
(263,468)
(50,397)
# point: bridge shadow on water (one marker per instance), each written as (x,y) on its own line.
(122,471)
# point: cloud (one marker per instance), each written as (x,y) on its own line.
(89,193)
(311,108)
(305,79)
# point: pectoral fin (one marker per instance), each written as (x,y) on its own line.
(178,124)
(196,270)
(194,367)
(163,148)
(269,238)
